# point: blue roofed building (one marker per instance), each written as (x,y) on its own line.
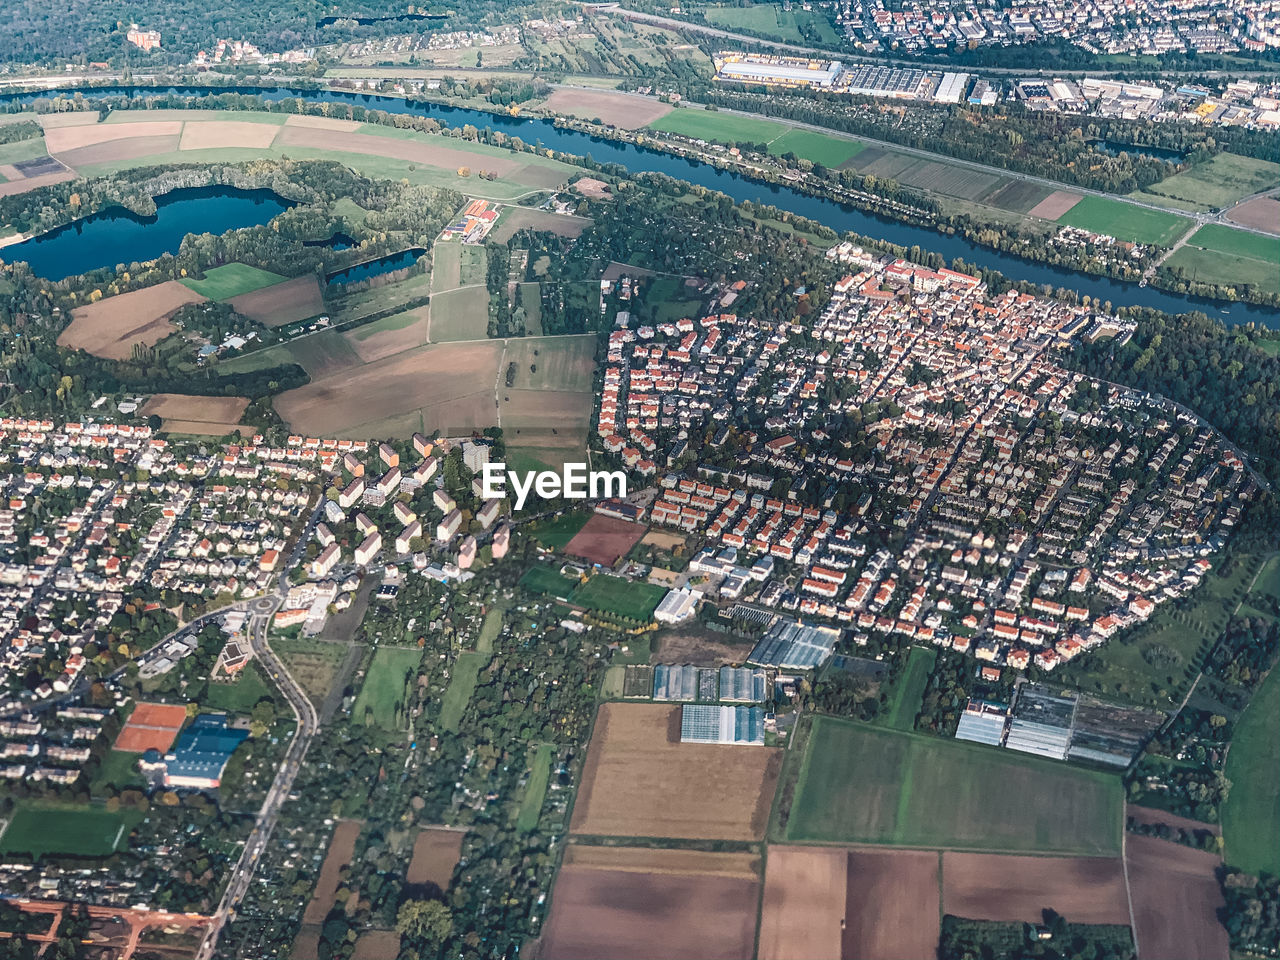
(202,752)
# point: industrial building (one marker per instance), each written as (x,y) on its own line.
(704,723)
(677,606)
(779,71)
(952,88)
(901,84)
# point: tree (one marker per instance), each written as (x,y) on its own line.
(428,920)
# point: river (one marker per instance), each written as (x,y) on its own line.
(838,216)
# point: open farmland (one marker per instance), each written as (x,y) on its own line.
(623,903)
(1225,179)
(708,791)
(1261,213)
(861,784)
(281,303)
(1124,221)
(546,412)
(231,280)
(460,315)
(604,539)
(987,886)
(618,109)
(1020,196)
(435,853)
(383,699)
(111,327)
(184,413)
(714,125)
(804,903)
(1251,814)
(823,148)
(514,219)
(391,335)
(1175,901)
(446,387)
(213,134)
(37,827)
(891,905)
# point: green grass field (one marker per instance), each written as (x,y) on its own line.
(1225,269)
(460,315)
(623,598)
(863,784)
(231,280)
(1237,243)
(490,629)
(1125,221)
(21,150)
(39,828)
(908,692)
(119,770)
(462,683)
(240,695)
(1224,180)
(540,579)
(722,127)
(383,697)
(531,301)
(1251,815)
(555,534)
(536,789)
(818,147)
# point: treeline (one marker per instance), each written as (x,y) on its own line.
(1252,912)
(22,130)
(1220,373)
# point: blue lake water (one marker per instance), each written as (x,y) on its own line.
(117,235)
(838,216)
(374,268)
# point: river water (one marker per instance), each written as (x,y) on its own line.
(838,216)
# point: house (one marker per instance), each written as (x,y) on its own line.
(368,549)
(449,525)
(328,559)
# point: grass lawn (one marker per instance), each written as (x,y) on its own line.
(1251,815)
(531,300)
(231,280)
(623,598)
(908,692)
(1224,180)
(863,784)
(1124,221)
(1223,268)
(240,695)
(119,770)
(539,579)
(714,125)
(766,19)
(490,629)
(536,789)
(385,691)
(1237,243)
(462,683)
(38,828)
(556,533)
(818,147)
(460,315)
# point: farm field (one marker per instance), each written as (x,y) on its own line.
(341,847)
(446,387)
(987,886)
(39,827)
(435,854)
(462,683)
(535,790)
(1251,814)
(382,698)
(862,784)
(1261,213)
(460,315)
(819,147)
(1237,243)
(1222,181)
(1125,221)
(709,791)
(230,280)
(638,904)
(1175,901)
(604,539)
(531,300)
(621,598)
(1200,264)
(1018,196)
(546,411)
(619,109)
(514,219)
(20,150)
(908,693)
(891,905)
(804,903)
(110,328)
(281,303)
(766,19)
(185,413)
(714,125)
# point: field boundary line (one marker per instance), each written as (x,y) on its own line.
(1128,890)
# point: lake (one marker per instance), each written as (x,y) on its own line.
(375,268)
(838,216)
(117,235)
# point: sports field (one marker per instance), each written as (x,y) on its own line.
(1251,815)
(623,598)
(231,280)
(908,692)
(714,125)
(545,580)
(38,828)
(862,784)
(385,693)
(1124,221)
(818,147)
